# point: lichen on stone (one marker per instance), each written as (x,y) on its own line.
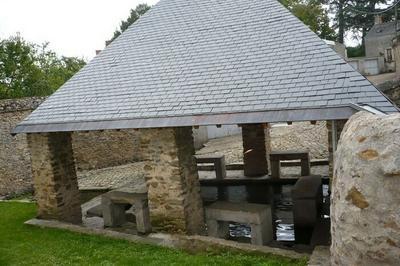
(357,198)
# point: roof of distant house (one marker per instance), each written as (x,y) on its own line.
(204,62)
(383,29)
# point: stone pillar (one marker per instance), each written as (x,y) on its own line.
(54,177)
(365,216)
(172,180)
(255,149)
(339,128)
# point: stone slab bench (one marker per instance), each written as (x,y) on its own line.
(220,213)
(217,160)
(114,205)
(278,156)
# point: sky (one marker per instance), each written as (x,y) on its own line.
(72,27)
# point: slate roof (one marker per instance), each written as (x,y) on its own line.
(383,29)
(208,62)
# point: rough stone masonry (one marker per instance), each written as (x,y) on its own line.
(366,192)
(54,176)
(172,180)
(92,150)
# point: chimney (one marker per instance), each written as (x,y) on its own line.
(378,19)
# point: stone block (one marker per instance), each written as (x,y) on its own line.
(172,180)
(307,204)
(365,217)
(114,205)
(255,146)
(54,176)
(259,217)
(278,156)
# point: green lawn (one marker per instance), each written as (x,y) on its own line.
(26,245)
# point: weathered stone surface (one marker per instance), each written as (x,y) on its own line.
(101,149)
(339,128)
(172,179)
(365,193)
(15,171)
(54,177)
(256,142)
(258,216)
(92,150)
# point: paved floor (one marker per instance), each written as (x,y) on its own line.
(132,175)
(298,136)
(112,177)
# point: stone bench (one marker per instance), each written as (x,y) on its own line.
(220,213)
(114,206)
(217,160)
(278,156)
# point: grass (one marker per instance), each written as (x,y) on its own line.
(26,245)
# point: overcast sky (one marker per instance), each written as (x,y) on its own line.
(73,27)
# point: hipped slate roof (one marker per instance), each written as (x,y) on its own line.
(196,62)
(383,29)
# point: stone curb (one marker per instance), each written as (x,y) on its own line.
(188,243)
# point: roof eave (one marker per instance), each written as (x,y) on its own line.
(272,116)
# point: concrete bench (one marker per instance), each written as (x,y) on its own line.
(218,161)
(307,204)
(114,205)
(220,213)
(278,156)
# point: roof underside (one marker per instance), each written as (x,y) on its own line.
(208,62)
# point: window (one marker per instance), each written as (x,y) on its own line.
(389,55)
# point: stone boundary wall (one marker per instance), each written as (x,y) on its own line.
(15,170)
(20,105)
(92,150)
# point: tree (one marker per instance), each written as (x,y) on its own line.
(313,14)
(354,16)
(135,14)
(32,70)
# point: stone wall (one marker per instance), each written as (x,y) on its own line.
(365,200)
(172,180)
(101,149)
(92,150)
(15,171)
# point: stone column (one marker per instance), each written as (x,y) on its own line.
(54,177)
(365,217)
(255,143)
(339,128)
(172,180)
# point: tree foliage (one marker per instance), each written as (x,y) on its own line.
(356,51)
(32,70)
(356,17)
(135,14)
(313,14)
